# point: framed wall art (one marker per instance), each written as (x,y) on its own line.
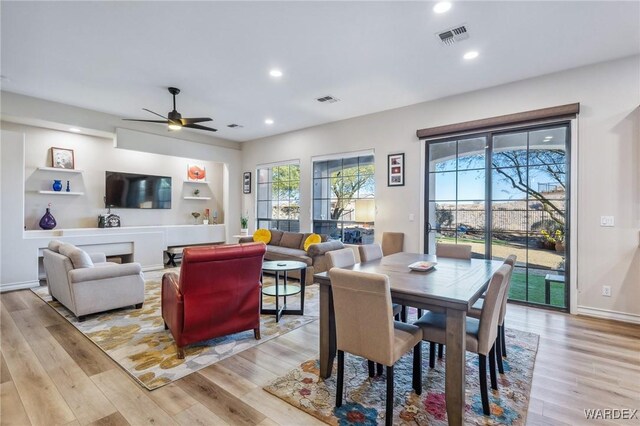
(395,170)
(62,158)
(246,183)
(196,173)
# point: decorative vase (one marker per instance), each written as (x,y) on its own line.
(48,221)
(68,188)
(244,231)
(560,246)
(57,185)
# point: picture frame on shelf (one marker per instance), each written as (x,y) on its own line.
(196,173)
(62,158)
(246,183)
(395,170)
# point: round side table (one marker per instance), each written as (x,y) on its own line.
(285,289)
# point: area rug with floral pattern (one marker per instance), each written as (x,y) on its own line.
(137,341)
(364,402)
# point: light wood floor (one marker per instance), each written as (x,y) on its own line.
(51,374)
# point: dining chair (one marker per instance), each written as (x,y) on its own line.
(392,242)
(365,328)
(476,311)
(344,258)
(369,252)
(481,333)
(454,251)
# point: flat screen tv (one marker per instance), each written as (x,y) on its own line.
(134,191)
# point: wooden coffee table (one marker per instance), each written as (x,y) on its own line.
(285,289)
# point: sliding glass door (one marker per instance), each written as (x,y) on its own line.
(506,193)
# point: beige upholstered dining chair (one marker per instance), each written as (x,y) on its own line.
(365,327)
(392,242)
(454,251)
(369,252)
(476,311)
(344,258)
(481,333)
(340,258)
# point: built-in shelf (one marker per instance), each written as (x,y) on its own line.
(196,181)
(60,193)
(197,198)
(56,169)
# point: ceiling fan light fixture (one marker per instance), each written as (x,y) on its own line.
(175,126)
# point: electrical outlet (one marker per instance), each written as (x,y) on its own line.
(606,221)
(412,217)
(606,290)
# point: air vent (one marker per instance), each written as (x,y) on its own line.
(453,35)
(329,99)
(233,126)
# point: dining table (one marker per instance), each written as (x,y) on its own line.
(451,287)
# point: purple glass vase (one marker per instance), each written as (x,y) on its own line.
(48,221)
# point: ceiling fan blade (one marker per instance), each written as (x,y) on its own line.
(186,121)
(146,121)
(199,127)
(155,113)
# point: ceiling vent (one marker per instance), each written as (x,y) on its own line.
(453,35)
(233,126)
(329,99)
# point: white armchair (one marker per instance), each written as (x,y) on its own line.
(86,283)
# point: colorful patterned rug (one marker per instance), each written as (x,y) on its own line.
(365,397)
(137,341)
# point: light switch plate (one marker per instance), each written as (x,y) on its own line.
(412,217)
(607,221)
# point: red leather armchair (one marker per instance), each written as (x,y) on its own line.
(217,293)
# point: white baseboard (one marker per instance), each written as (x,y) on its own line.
(152,267)
(604,313)
(18,286)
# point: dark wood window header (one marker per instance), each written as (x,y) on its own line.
(563,111)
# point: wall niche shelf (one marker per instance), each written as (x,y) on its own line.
(56,169)
(196,198)
(197,181)
(60,193)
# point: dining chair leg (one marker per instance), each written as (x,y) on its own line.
(482,360)
(504,341)
(403,314)
(440,346)
(432,354)
(372,368)
(388,421)
(379,369)
(340,378)
(498,346)
(417,368)
(492,368)
(419,313)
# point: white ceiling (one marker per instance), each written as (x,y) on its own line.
(119,57)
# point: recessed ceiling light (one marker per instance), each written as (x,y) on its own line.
(471,55)
(268,121)
(442,7)
(74,130)
(275,73)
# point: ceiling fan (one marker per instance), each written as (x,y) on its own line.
(174,119)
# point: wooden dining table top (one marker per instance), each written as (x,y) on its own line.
(455,283)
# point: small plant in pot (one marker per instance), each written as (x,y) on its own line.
(244,225)
(196,192)
(195,215)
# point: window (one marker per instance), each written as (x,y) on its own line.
(344,198)
(278,195)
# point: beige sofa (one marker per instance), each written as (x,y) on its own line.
(290,246)
(87,283)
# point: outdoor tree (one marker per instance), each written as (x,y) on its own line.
(345,185)
(285,181)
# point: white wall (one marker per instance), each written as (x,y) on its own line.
(608,166)
(95,155)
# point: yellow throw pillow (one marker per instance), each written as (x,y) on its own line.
(312,239)
(262,235)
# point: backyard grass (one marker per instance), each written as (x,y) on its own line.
(536,289)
